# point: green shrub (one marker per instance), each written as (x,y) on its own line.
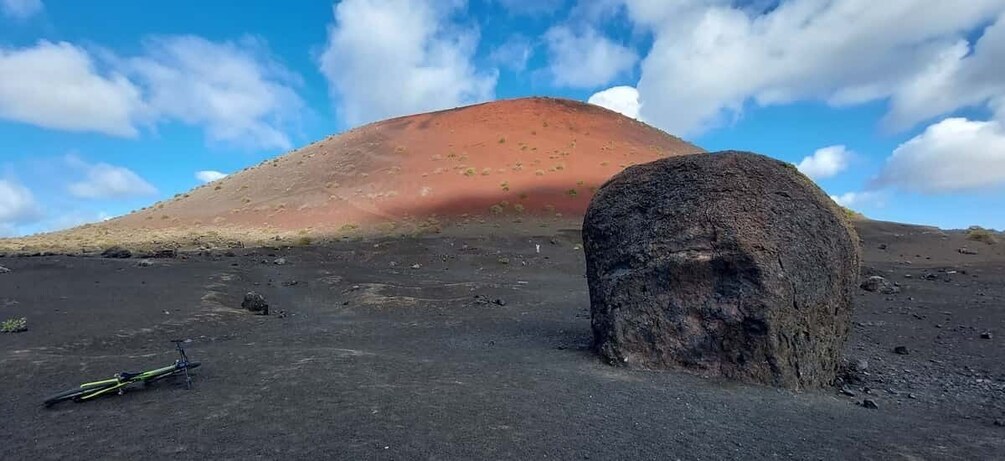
(14,325)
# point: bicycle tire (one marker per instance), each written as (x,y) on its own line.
(71,394)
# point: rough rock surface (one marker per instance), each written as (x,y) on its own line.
(880,284)
(116,252)
(729,264)
(256,303)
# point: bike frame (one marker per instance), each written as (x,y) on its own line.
(118,383)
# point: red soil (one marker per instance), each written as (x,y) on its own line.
(505,159)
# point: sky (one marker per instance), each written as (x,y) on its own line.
(895,108)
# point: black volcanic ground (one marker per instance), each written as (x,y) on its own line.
(379,360)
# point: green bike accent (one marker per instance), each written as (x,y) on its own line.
(90,390)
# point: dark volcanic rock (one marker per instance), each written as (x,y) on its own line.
(116,252)
(4,270)
(880,284)
(255,302)
(729,264)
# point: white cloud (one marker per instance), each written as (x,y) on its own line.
(513,53)
(209,175)
(56,85)
(858,199)
(621,99)
(958,77)
(386,58)
(21,9)
(709,59)
(17,205)
(104,181)
(953,155)
(826,162)
(586,59)
(235,90)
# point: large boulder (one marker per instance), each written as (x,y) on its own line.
(729,264)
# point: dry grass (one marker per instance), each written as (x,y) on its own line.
(980,234)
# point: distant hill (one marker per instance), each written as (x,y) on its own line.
(510,161)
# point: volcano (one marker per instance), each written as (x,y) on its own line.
(512,161)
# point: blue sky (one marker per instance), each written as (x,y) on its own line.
(896,108)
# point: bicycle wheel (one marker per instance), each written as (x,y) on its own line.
(72,394)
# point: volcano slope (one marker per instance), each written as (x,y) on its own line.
(523,163)
(397,349)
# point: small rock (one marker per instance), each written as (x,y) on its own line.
(499,302)
(145,263)
(1000,422)
(116,252)
(255,302)
(880,284)
(279,261)
(986,335)
(4,270)
(290,283)
(416,266)
(870,404)
(966,251)
(882,246)
(846,391)
(901,350)
(282,314)
(503,260)
(912,396)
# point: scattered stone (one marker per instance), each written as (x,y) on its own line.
(255,302)
(116,252)
(499,302)
(912,396)
(880,284)
(416,266)
(870,404)
(846,391)
(730,264)
(1000,422)
(882,246)
(966,251)
(503,260)
(901,350)
(282,314)
(4,270)
(144,263)
(279,261)
(290,283)
(986,335)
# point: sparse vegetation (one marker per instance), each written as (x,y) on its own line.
(980,234)
(539,173)
(504,186)
(571,193)
(496,209)
(502,140)
(303,241)
(851,214)
(469,172)
(14,325)
(518,208)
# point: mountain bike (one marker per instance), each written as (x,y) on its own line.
(120,381)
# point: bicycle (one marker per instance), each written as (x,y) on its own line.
(120,381)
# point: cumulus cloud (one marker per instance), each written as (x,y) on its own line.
(394,57)
(17,205)
(21,9)
(826,162)
(233,89)
(710,58)
(104,181)
(621,99)
(209,175)
(585,58)
(57,85)
(953,155)
(958,77)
